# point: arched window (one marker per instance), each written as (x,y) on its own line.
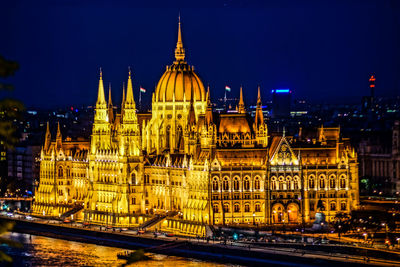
(246,183)
(273,183)
(236,207)
(246,207)
(282,183)
(311,183)
(68,172)
(289,183)
(342,182)
(333,206)
(343,205)
(236,183)
(257,184)
(226,207)
(332,183)
(215,184)
(215,208)
(60,172)
(321,182)
(226,184)
(257,207)
(296,183)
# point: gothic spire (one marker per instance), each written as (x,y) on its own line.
(110,105)
(241,108)
(209,115)
(259,119)
(47,139)
(109,95)
(58,136)
(129,91)
(179,50)
(259,96)
(101,100)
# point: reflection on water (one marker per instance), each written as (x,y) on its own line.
(45,251)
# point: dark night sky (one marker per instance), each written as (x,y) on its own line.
(324,51)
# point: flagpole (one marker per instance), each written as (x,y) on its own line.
(140,98)
(225,98)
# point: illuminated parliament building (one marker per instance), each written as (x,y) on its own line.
(183,167)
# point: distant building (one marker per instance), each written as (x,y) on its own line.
(379,157)
(23,168)
(368,101)
(3,166)
(281,103)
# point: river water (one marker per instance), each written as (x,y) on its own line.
(45,251)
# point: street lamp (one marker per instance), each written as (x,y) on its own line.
(365,236)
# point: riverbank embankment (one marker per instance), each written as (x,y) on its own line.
(238,253)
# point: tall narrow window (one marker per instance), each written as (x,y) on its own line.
(246,184)
(215,185)
(257,184)
(311,183)
(236,183)
(226,184)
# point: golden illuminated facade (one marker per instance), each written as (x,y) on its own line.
(183,167)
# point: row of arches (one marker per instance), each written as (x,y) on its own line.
(236,207)
(280,214)
(287,183)
(333,206)
(236,184)
(323,182)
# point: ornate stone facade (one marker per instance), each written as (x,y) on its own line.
(185,166)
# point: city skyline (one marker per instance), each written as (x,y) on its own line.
(322,59)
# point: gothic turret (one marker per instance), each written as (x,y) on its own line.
(101,126)
(101,104)
(129,143)
(259,126)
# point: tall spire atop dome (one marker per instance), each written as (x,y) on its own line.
(179,50)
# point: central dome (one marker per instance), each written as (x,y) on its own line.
(180,79)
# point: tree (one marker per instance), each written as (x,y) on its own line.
(10,111)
